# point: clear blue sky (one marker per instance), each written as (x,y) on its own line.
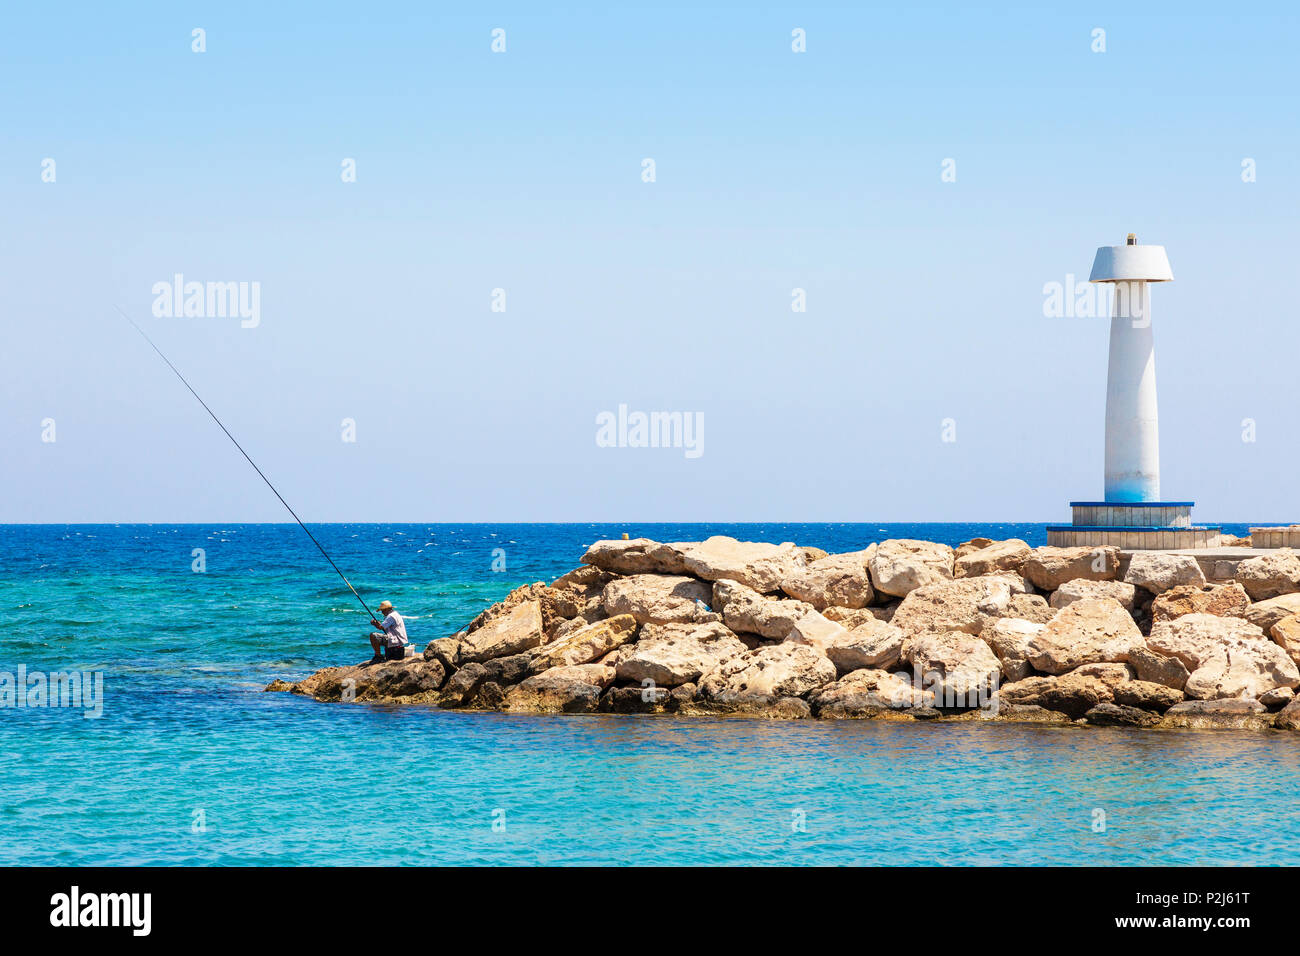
(522,171)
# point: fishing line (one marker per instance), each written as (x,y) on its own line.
(250,460)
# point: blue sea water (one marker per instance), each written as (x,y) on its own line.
(191,763)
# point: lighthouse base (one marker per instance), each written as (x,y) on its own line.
(1135,526)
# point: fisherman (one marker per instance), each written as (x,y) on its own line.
(391,636)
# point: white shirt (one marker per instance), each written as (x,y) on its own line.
(395,628)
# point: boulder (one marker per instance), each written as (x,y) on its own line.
(1158,668)
(754,564)
(971,546)
(512,632)
(411,681)
(901,565)
(572,689)
(852,617)
(637,556)
(1006,555)
(463,685)
(746,611)
(958,667)
(669,655)
(1089,630)
(1286,634)
(1218,715)
(1277,697)
(1289,716)
(635,700)
(968,604)
(446,651)
(1221,600)
(505,671)
(1030,607)
(781,670)
(837,580)
(1270,575)
(1049,567)
(538,593)
(1158,571)
(1226,656)
(868,693)
(1264,614)
(1146,695)
(1071,591)
(1072,694)
(579,592)
(660,599)
(278,685)
(586,644)
(1009,638)
(490,696)
(1120,715)
(870,644)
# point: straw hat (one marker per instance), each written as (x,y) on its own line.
(385,605)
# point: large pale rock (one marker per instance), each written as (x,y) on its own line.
(411,681)
(1030,607)
(637,556)
(1218,715)
(1072,591)
(1226,656)
(968,604)
(1286,633)
(517,630)
(579,593)
(586,644)
(660,599)
(782,670)
(901,565)
(1009,638)
(868,693)
(1090,630)
(1270,575)
(1222,600)
(869,644)
(837,580)
(569,689)
(1264,614)
(971,546)
(757,565)
(1049,567)
(445,650)
(550,605)
(1158,571)
(1006,555)
(746,611)
(960,668)
(670,655)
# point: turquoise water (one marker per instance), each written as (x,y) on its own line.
(192,764)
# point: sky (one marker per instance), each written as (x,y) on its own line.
(923,382)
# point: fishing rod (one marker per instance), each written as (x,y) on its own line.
(250,460)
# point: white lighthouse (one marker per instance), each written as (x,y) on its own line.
(1132,514)
(1132,428)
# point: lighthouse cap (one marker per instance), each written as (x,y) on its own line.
(1129,262)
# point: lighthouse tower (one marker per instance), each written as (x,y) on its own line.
(1132,514)
(1132,429)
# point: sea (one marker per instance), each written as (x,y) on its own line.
(190,762)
